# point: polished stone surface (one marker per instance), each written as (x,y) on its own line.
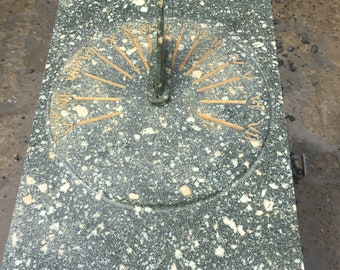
(111,181)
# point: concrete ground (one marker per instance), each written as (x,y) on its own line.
(307,34)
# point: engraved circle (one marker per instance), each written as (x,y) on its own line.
(202,142)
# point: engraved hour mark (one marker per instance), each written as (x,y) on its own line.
(192,49)
(219,121)
(69,126)
(112,42)
(104,80)
(178,43)
(234,79)
(138,48)
(215,44)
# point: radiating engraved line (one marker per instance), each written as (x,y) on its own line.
(127,59)
(69,126)
(98,118)
(234,79)
(192,49)
(104,80)
(111,41)
(219,121)
(138,48)
(223,101)
(211,73)
(205,56)
(95,98)
(149,39)
(107,61)
(178,43)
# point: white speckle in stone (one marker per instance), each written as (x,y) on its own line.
(178,254)
(173,266)
(240,230)
(54,226)
(259,213)
(258,173)
(190,119)
(233,246)
(51,210)
(30,180)
(14,239)
(273,186)
(234,161)
(245,198)
(133,196)
(197,74)
(104,9)
(84,144)
(99,195)
(218,153)
(138,2)
(263,192)
(246,163)
(202,3)
(164,124)
(81,110)
(294,207)
(129,250)
(43,188)
(148,210)
(240,155)
(230,223)
(84,168)
(65,187)
(51,155)
(219,251)
(122,267)
(258,44)
(28,200)
(285,185)
(58,204)
(249,208)
(185,190)
(268,205)
(192,264)
(18,262)
(197,128)
(148,131)
(255,144)
(78,182)
(144,9)
(44,248)
(264,25)
(195,169)
(137,137)
(131,51)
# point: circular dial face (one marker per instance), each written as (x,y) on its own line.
(205,140)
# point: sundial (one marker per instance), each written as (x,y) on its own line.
(159,143)
(201,135)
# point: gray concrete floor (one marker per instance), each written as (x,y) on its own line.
(310,80)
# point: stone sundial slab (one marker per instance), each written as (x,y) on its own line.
(200,182)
